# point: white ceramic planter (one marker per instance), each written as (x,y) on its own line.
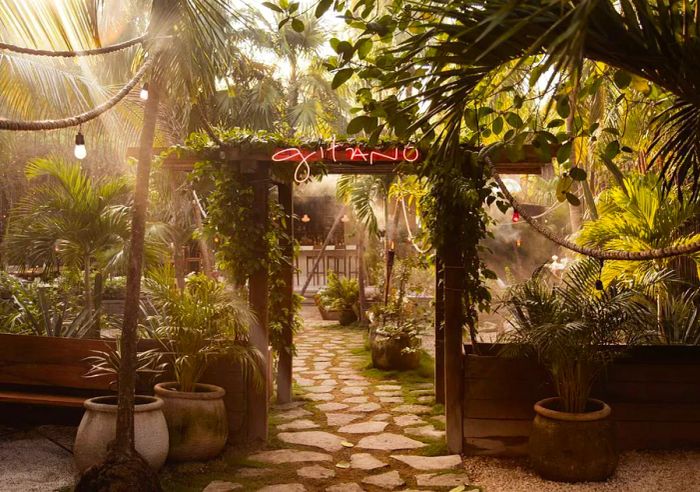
(197,421)
(98,428)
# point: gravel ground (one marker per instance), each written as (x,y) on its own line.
(639,471)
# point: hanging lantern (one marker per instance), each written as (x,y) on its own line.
(144,92)
(80,151)
(516,217)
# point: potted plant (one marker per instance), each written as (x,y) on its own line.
(98,425)
(395,343)
(195,325)
(574,330)
(341,294)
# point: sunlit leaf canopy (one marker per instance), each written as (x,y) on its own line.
(40,87)
(436,59)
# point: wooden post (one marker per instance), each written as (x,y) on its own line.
(454,347)
(284,364)
(439,331)
(258,401)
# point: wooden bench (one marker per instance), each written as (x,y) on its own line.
(48,370)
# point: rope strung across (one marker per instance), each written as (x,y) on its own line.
(39,125)
(652,254)
(71,53)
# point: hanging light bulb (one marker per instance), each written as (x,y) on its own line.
(80,151)
(306,218)
(144,92)
(516,217)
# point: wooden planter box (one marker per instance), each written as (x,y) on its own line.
(654,393)
(48,371)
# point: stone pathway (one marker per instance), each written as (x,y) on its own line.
(347,432)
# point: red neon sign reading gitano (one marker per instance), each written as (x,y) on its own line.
(342,152)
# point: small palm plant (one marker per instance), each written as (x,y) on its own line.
(203,321)
(341,294)
(574,330)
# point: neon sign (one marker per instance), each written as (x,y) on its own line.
(342,153)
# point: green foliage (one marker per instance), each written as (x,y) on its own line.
(230,222)
(399,319)
(340,293)
(574,330)
(681,321)
(279,316)
(114,288)
(149,364)
(201,322)
(638,216)
(457,220)
(43,310)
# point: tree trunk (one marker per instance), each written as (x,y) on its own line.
(362,299)
(127,370)
(575,212)
(204,250)
(390,256)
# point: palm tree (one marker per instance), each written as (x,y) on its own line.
(186,43)
(70,219)
(637,216)
(261,96)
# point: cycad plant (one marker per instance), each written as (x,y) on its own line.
(203,321)
(341,294)
(572,329)
(638,216)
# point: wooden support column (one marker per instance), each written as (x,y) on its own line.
(284,364)
(258,401)
(439,332)
(454,346)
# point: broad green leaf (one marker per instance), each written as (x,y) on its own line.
(564,152)
(514,120)
(272,6)
(612,149)
(323,7)
(357,124)
(341,76)
(298,24)
(364,46)
(577,174)
(572,199)
(497,125)
(563,108)
(622,79)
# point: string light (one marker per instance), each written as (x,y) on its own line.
(80,151)
(306,219)
(345,219)
(144,92)
(516,217)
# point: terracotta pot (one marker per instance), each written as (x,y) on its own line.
(573,447)
(390,353)
(98,428)
(197,421)
(347,316)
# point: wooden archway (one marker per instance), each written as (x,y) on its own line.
(354,159)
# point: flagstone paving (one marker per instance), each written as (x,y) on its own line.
(350,430)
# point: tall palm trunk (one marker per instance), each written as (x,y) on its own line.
(127,370)
(575,212)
